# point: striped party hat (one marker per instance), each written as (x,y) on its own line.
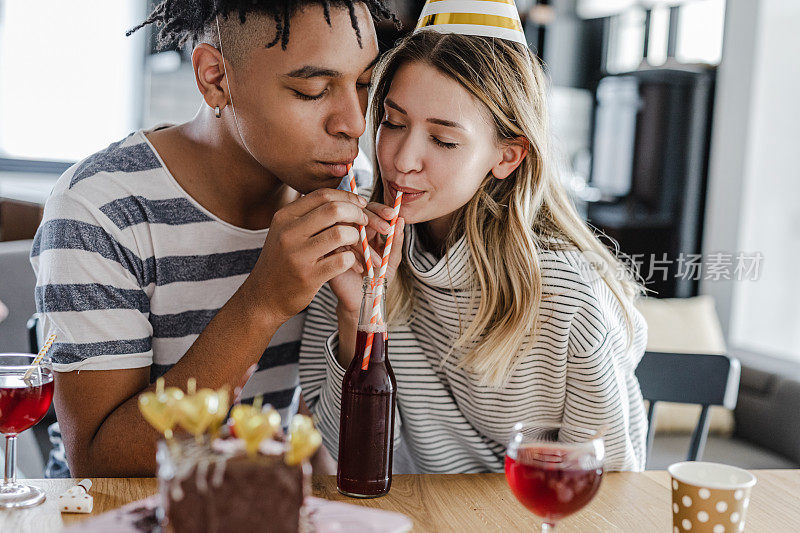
(489,18)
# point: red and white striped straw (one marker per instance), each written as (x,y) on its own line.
(361,230)
(378,286)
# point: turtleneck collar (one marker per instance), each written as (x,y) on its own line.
(454,269)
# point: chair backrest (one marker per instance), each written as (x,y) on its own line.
(703,379)
(17,284)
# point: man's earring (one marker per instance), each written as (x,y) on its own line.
(217,112)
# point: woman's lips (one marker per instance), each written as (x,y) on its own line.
(409,195)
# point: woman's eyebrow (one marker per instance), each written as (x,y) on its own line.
(440,121)
(391,103)
(447,123)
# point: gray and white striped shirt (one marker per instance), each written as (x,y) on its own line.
(131,269)
(579,370)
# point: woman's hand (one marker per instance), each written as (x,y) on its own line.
(347,286)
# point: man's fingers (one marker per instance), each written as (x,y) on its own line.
(335,264)
(330,239)
(359,253)
(377,220)
(382,210)
(329,215)
(311,201)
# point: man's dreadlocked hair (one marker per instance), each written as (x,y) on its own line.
(181,20)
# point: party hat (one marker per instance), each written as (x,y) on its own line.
(489,18)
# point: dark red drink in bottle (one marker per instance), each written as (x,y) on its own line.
(366,427)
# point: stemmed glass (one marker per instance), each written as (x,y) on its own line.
(554,470)
(23,402)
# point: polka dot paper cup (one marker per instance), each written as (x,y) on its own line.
(709,497)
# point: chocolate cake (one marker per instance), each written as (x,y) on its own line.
(256,480)
(219,487)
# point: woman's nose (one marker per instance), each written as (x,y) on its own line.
(408,157)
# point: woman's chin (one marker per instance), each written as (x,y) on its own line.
(411,215)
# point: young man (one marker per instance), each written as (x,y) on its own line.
(189,250)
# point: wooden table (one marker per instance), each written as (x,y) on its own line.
(635,502)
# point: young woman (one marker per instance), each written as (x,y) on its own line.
(505,306)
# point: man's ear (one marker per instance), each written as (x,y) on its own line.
(209,74)
(512,152)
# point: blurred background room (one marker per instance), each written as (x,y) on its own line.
(675,122)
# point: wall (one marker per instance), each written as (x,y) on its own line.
(754,179)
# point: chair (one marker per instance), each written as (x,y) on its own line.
(17,283)
(34,326)
(701,379)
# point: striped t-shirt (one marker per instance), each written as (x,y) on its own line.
(578,370)
(131,269)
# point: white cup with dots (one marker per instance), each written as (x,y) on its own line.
(709,497)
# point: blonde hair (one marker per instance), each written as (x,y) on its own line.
(507,220)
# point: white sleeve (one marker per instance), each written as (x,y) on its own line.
(89,289)
(321,374)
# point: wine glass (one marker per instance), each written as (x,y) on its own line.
(554,470)
(23,402)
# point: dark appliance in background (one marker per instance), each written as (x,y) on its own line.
(650,141)
(650,163)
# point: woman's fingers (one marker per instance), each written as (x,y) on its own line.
(377,246)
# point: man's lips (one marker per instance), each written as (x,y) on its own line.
(336,168)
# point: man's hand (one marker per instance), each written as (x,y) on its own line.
(309,242)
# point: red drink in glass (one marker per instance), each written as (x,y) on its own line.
(551,477)
(366,426)
(23,404)
(26,390)
(549,488)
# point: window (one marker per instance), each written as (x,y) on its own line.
(69,78)
(698,39)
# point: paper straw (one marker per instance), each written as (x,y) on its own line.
(378,286)
(39,357)
(361,230)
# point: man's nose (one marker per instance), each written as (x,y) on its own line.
(347,118)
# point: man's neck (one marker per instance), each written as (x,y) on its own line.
(221,175)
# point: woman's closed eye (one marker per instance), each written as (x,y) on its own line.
(385,123)
(443,144)
(438,142)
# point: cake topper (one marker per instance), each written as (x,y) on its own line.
(253,424)
(158,407)
(198,411)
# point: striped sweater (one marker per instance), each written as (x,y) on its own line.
(578,371)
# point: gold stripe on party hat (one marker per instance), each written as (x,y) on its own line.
(488,18)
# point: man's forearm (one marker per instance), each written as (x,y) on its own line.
(124,444)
